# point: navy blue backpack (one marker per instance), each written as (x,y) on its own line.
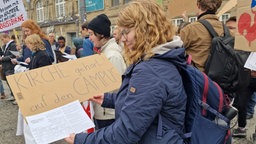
(204,121)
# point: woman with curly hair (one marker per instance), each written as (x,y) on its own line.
(150,104)
(31,27)
(40,57)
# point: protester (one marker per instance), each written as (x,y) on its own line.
(52,41)
(244,91)
(117,35)
(31,27)
(87,43)
(39,59)
(5,59)
(78,42)
(152,88)
(62,45)
(196,37)
(99,34)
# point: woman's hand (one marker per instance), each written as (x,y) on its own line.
(70,139)
(14,61)
(98,99)
(27,60)
(253,74)
(18,47)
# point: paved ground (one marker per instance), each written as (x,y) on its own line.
(8,122)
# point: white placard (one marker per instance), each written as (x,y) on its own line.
(58,123)
(251,62)
(12,14)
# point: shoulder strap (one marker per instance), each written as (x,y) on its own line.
(209,27)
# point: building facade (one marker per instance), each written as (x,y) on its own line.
(64,17)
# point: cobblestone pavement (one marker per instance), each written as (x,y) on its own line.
(8,122)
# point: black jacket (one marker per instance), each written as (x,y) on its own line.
(7,65)
(39,59)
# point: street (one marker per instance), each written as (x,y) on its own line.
(8,122)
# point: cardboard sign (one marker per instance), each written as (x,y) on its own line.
(246,24)
(228,6)
(49,87)
(177,7)
(12,14)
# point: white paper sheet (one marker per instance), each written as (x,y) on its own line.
(251,62)
(58,123)
(16,53)
(71,57)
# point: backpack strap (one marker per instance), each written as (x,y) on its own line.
(209,27)
(211,30)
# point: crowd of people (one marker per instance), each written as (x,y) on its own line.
(141,47)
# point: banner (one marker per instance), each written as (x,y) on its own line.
(49,87)
(12,14)
(94,5)
(246,24)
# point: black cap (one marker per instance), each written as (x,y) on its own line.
(101,25)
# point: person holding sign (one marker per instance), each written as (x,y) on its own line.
(151,84)
(99,34)
(39,59)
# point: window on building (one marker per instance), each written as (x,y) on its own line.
(60,8)
(126,1)
(192,19)
(39,11)
(115,2)
(177,21)
(224,17)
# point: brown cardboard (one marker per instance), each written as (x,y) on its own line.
(49,87)
(177,7)
(242,41)
(227,6)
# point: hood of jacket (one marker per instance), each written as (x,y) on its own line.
(171,51)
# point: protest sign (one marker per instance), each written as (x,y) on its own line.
(246,24)
(49,87)
(177,7)
(12,14)
(227,6)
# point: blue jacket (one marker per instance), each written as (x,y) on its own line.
(87,48)
(48,49)
(150,105)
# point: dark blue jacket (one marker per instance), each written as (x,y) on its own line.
(150,105)
(39,59)
(87,48)
(48,49)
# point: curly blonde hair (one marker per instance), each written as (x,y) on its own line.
(151,28)
(36,42)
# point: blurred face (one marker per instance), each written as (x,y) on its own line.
(96,40)
(51,37)
(84,32)
(128,37)
(61,43)
(116,34)
(26,31)
(231,26)
(4,40)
